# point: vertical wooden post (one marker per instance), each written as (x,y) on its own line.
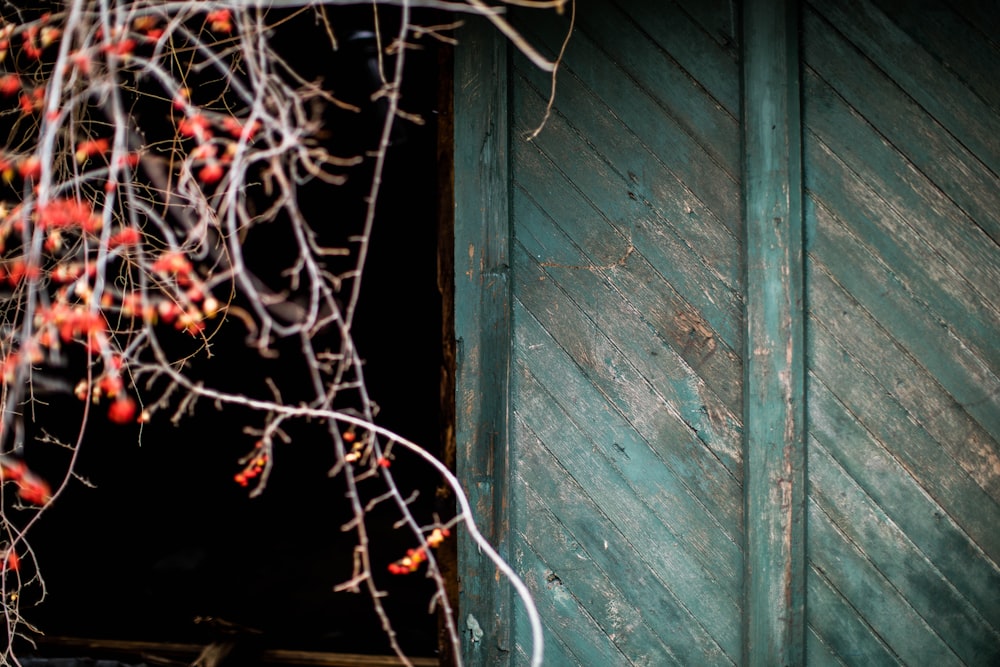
(483,332)
(774,387)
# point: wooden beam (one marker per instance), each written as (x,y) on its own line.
(774,387)
(148,650)
(483,331)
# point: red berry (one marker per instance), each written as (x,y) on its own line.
(122,410)
(210,173)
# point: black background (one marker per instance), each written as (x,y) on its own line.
(167,535)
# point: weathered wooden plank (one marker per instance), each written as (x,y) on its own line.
(905,124)
(482,328)
(557,652)
(820,654)
(654,213)
(604,591)
(650,465)
(887,482)
(930,215)
(603,97)
(774,360)
(596,359)
(953,43)
(902,564)
(564,614)
(918,268)
(678,330)
(838,625)
(875,287)
(700,572)
(880,605)
(719,18)
(614,316)
(646,575)
(711,65)
(900,378)
(944,97)
(661,78)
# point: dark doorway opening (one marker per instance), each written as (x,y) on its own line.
(165,537)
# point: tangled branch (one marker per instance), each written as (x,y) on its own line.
(122,247)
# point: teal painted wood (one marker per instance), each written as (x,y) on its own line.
(944,96)
(949,40)
(915,133)
(603,302)
(887,612)
(482,330)
(774,391)
(899,561)
(627,327)
(859,362)
(904,393)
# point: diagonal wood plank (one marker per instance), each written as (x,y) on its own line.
(916,134)
(656,478)
(928,212)
(945,98)
(900,378)
(664,551)
(881,606)
(875,286)
(967,633)
(909,506)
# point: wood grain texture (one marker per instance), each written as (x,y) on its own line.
(482,331)
(774,391)
(627,462)
(902,216)
(684,294)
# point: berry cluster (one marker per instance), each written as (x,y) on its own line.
(99,274)
(415,557)
(30,487)
(253,465)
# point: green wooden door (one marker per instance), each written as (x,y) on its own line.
(684,294)
(902,150)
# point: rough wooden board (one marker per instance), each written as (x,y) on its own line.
(920,332)
(938,91)
(680,387)
(661,78)
(565,617)
(596,360)
(603,593)
(897,558)
(712,65)
(654,212)
(657,582)
(880,605)
(482,326)
(673,552)
(951,42)
(774,391)
(718,18)
(918,268)
(837,623)
(820,654)
(898,378)
(905,124)
(910,507)
(663,135)
(930,215)
(980,16)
